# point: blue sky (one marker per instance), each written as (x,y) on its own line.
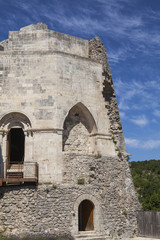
(130,30)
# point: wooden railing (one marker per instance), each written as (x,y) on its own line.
(19,172)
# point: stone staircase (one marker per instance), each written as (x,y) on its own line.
(89,235)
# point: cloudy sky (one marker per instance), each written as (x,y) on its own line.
(130,30)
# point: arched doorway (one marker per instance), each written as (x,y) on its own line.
(17,149)
(16,140)
(15,125)
(86,216)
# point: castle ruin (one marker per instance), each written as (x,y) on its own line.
(63,167)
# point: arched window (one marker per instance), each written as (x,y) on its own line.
(86,216)
(15,124)
(78,126)
(14,119)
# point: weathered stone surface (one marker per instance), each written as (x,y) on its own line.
(58,90)
(97,52)
(51,208)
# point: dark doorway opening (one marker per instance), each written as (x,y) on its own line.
(85,216)
(16,146)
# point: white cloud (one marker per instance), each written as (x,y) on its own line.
(151,144)
(122,115)
(137,95)
(156,113)
(112,18)
(132,142)
(147,145)
(140,120)
(121,54)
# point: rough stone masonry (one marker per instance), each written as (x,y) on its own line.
(58,109)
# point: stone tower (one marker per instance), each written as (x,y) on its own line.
(60,130)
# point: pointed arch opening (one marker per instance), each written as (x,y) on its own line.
(77,128)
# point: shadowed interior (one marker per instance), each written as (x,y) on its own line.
(16,145)
(85,216)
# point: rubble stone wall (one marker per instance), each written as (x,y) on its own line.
(50,208)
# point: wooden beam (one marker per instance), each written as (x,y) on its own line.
(10,180)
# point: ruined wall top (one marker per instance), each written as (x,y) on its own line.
(97,52)
(32,27)
(37,37)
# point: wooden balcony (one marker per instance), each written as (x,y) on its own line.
(17,173)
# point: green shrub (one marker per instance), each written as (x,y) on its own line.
(81,181)
(98,155)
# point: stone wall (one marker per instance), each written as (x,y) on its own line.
(58,89)
(97,52)
(37,37)
(78,126)
(78,140)
(53,209)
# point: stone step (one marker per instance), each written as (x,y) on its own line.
(90,236)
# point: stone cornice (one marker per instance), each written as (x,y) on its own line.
(101,136)
(36,130)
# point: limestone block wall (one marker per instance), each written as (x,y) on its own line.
(37,37)
(45,89)
(43,75)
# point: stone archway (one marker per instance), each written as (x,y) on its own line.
(77,129)
(16,141)
(14,119)
(93,206)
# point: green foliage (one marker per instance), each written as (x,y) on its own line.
(97,156)
(146,178)
(125,212)
(54,186)
(81,181)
